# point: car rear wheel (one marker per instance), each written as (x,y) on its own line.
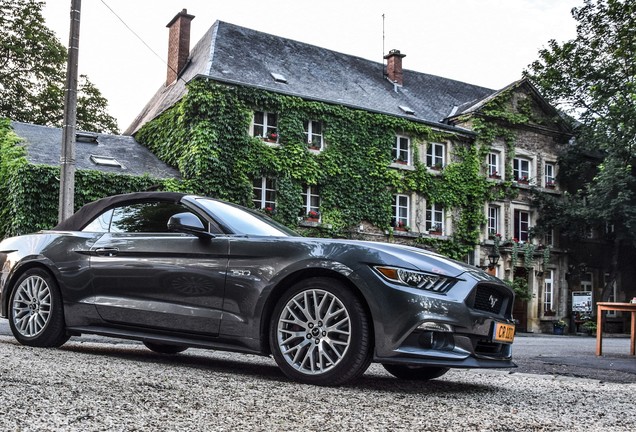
(320,333)
(36,315)
(164,348)
(415,373)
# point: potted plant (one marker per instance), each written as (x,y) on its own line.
(435,229)
(523,180)
(312,216)
(271,137)
(589,327)
(494,175)
(558,327)
(401,226)
(550,185)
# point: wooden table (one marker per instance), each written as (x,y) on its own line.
(622,307)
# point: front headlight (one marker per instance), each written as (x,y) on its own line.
(416,279)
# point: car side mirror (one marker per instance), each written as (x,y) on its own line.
(188,223)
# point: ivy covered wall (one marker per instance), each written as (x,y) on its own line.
(206,136)
(29,194)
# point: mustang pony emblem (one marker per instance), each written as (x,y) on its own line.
(493,301)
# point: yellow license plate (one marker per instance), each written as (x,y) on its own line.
(504,332)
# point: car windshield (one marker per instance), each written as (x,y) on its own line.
(244,221)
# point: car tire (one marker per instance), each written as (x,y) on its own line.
(415,373)
(164,348)
(36,313)
(320,333)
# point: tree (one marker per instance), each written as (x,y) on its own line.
(593,79)
(32,72)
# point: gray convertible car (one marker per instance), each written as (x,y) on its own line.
(177,271)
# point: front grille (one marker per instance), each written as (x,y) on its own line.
(490,299)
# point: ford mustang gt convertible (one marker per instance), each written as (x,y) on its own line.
(176,271)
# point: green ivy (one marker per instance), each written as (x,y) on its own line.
(31,192)
(206,137)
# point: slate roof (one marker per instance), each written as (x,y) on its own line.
(43,146)
(237,55)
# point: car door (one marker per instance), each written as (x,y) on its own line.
(147,277)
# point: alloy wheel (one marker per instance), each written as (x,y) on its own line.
(314,331)
(31,306)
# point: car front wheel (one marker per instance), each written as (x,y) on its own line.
(415,373)
(320,333)
(36,315)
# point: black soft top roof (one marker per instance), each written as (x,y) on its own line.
(91,210)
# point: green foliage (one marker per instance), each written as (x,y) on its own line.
(33,70)
(29,190)
(520,287)
(589,326)
(592,78)
(206,137)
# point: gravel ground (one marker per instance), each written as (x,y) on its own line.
(92,386)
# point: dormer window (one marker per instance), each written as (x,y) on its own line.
(407,110)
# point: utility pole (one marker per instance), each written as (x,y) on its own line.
(67,158)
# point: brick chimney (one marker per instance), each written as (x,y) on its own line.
(394,66)
(178,44)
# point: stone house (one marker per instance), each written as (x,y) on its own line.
(345,146)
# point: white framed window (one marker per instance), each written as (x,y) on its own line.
(436,155)
(493,220)
(549,175)
(435,218)
(401,151)
(492,162)
(311,202)
(586,282)
(401,209)
(521,225)
(548,291)
(265,125)
(521,169)
(264,194)
(313,134)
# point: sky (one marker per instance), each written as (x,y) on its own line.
(124,43)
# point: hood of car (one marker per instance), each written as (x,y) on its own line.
(419,259)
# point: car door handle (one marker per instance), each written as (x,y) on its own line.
(106,251)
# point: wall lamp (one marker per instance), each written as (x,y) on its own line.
(493,260)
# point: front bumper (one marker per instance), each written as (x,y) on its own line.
(451,329)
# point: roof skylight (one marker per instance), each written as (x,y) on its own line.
(106,161)
(279,77)
(407,110)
